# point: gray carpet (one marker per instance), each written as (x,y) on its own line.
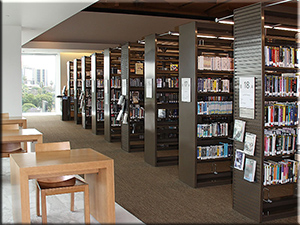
(152,194)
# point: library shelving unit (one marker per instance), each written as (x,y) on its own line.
(77,90)
(161,100)
(86,111)
(112,92)
(205,118)
(268,55)
(97,70)
(132,67)
(70,87)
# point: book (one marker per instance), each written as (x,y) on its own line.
(250,167)
(173,67)
(139,68)
(238,130)
(161,113)
(249,145)
(239,159)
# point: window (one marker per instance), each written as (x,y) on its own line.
(38,83)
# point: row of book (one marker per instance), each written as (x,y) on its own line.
(88,93)
(100,83)
(114,121)
(216,129)
(167,113)
(167,82)
(115,108)
(213,85)
(136,96)
(115,82)
(280,86)
(136,82)
(222,150)
(79,73)
(281,113)
(71,91)
(115,70)
(88,83)
(79,84)
(100,93)
(167,97)
(136,112)
(214,107)
(167,135)
(100,116)
(215,98)
(115,94)
(88,102)
(99,72)
(206,62)
(279,56)
(280,141)
(100,105)
(282,172)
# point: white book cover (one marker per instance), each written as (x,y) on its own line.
(239,130)
(249,146)
(200,62)
(250,167)
(239,159)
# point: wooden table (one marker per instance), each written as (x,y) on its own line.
(22,121)
(22,135)
(97,168)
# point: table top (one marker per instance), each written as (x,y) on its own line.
(55,158)
(12,119)
(21,132)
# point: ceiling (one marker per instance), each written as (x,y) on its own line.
(109,24)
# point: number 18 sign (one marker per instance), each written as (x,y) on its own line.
(247,97)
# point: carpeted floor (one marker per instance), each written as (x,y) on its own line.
(152,194)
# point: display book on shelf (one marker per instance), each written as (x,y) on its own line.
(205,119)
(132,75)
(77,90)
(97,73)
(161,100)
(86,100)
(265,188)
(70,87)
(112,92)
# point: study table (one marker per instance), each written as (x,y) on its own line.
(22,135)
(22,121)
(97,168)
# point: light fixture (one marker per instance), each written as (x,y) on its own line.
(226,22)
(226,38)
(286,29)
(206,36)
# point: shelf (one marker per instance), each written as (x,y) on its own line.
(281,98)
(213,48)
(214,93)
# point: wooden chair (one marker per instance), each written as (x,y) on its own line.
(12,147)
(61,184)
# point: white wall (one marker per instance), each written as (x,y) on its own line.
(11,70)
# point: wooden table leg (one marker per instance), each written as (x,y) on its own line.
(20,194)
(102,194)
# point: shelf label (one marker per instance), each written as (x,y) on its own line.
(148,88)
(247,97)
(186,89)
(124,87)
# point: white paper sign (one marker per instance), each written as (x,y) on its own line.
(124,87)
(186,89)
(247,97)
(148,88)
(105,86)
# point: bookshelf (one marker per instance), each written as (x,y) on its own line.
(77,90)
(161,100)
(112,92)
(70,87)
(270,196)
(205,118)
(97,71)
(132,67)
(87,92)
